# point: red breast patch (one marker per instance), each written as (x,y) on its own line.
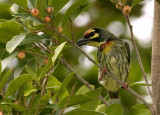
(103,46)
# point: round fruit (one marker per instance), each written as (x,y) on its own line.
(35,12)
(119,6)
(60,29)
(47,19)
(126,9)
(21,55)
(50,10)
(45,61)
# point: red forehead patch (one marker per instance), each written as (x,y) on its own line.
(88,31)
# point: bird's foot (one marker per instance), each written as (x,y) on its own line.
(125,85)
(104,71)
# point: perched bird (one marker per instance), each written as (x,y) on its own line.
(113,55)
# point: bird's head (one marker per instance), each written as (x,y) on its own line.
(95,37)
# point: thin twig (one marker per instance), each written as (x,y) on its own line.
(64,62)
(36,54)
(137,53)
(44,87)
(71,25)
(69,98)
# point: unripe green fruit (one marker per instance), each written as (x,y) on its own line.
(126,9)
(35,12)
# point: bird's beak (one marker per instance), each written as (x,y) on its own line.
(82,41)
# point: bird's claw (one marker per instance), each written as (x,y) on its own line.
(104,71)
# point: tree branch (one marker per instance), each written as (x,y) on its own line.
(43,88)
(64,62)
(137,53)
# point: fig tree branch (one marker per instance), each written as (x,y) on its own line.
(137,53)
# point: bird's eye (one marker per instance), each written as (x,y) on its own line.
(91,34)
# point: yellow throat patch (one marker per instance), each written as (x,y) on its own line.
(105,47)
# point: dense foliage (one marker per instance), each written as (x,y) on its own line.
(32,78)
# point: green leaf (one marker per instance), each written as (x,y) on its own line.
(14,42)
(9,29)
(74,11)
(15,106)
(45,98)
(41,5)
(101,108)
(84,112)
(29,70)
(4,11)
(51,106)
(31,4)
(140,106)
(5,78)
(143,83)
(111,109)
(46,67)
(135,2)
(17,83)
(7,60)
(75,100)
(84,89)
(94,94)
(57,52)
(19,68)
(26,89)
(59,4)
(14,8)
(33,105)
(30,38)
(22,3)
(53,83)
(65,83)
(7,34)
(27,16)
(0,68)
(57,19)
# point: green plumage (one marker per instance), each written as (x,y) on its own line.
(116,60)
(113,54)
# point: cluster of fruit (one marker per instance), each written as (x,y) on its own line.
(125,9)
(35,13)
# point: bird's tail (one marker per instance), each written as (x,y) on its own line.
(113,95)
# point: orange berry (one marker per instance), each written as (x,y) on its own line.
(47,19)
(35,12)
(1,113)
(45,61)
(21,55)
(119,6)
(50,10)
(16,102)
(60,29)
(126,9)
